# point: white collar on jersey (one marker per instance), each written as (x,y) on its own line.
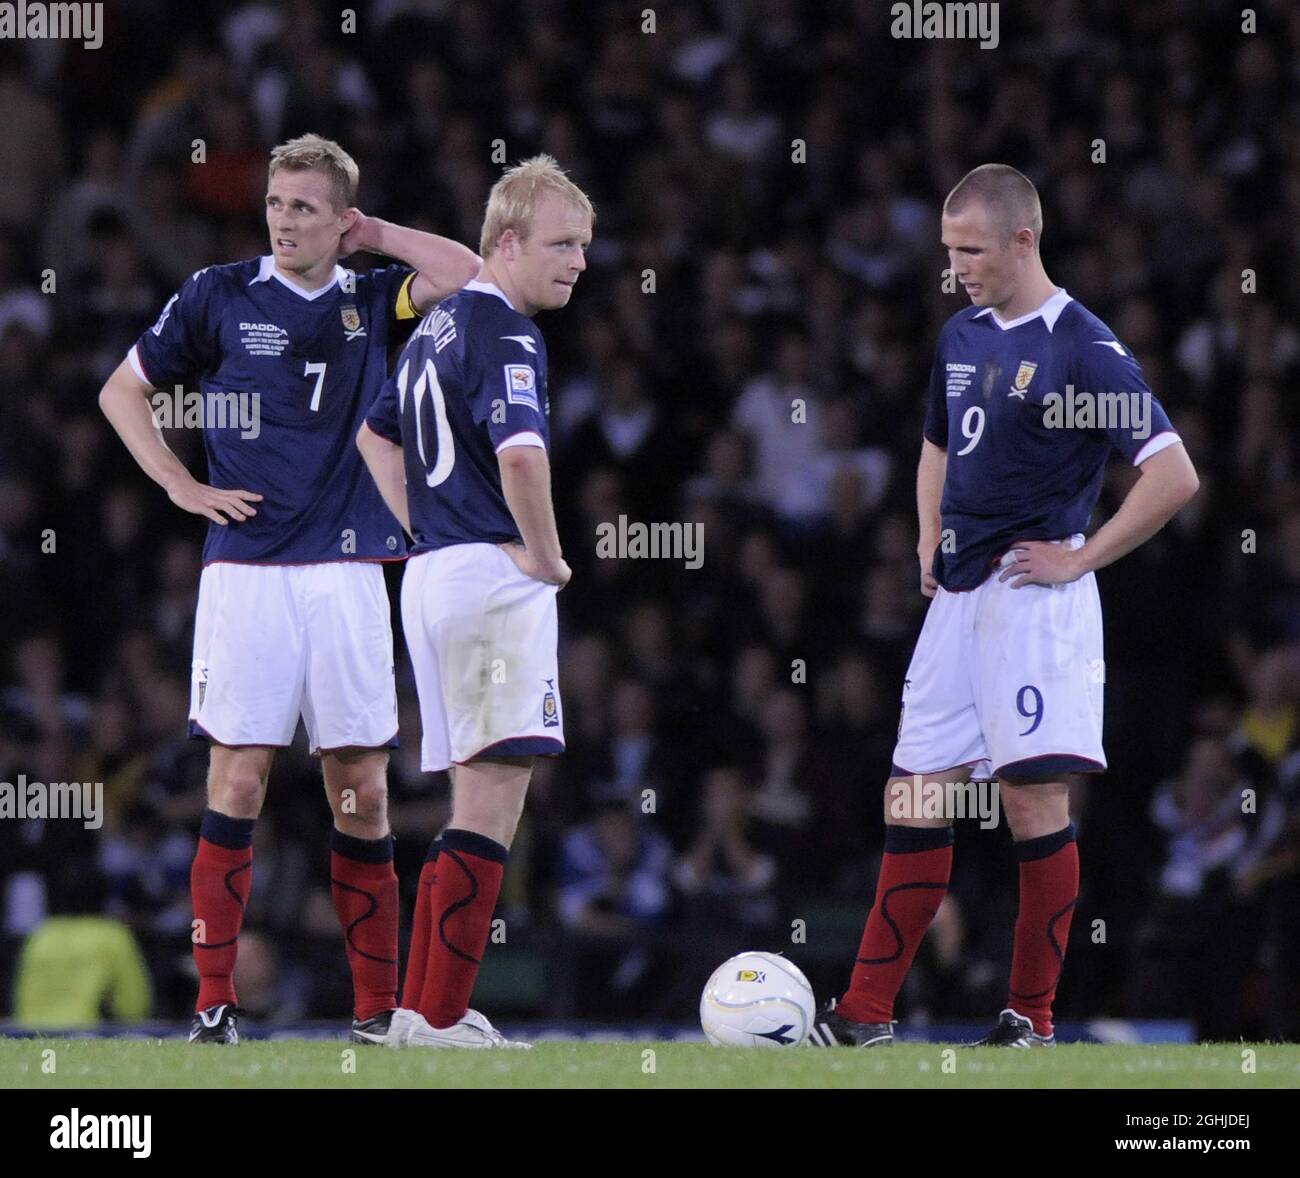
(1050,311)
(266,270)
(488,288)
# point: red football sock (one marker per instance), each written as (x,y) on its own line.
(461,904)
(417,957)
(220,880)
(364,887)
(913,881)
(1049,887)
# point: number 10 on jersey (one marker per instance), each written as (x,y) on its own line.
(427,383)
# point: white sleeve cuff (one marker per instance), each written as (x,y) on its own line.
(525,438)
(134,360)
(1160,442)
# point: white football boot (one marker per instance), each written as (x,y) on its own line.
(409,1028)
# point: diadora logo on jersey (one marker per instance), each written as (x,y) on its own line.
(521,385)
(959,378)
(1111,343)
(352,328)
(263,339)
(1024,374)
(524,341)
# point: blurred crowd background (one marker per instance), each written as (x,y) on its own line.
(730,728)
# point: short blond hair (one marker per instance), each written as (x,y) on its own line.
(515,197)
(315,153)
(1009,195)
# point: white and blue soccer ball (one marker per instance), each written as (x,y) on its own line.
(757,1000)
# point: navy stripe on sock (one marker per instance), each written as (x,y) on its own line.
(1048,844)
(474,844)
(378,850)
(904,840)
(431,856)
(235,834)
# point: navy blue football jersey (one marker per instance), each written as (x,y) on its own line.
(471,381)
(303,367)
(1029,411)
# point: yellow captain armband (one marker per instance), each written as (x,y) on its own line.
(406,308)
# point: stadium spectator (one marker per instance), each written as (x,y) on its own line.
(1193,951)
(612,888)
(79,967)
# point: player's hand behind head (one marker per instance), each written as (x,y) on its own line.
(200,499)
(358,236)
(556,572)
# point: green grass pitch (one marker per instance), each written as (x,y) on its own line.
(156,1063)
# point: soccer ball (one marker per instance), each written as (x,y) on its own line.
(757,1000)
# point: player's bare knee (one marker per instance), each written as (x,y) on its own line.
(488,797)
(495,821)
(923,799)
(364,801)
(237,779)
(237,794)
(1034,809)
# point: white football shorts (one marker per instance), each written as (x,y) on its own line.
(483,640)
(1007,681)
(273,642)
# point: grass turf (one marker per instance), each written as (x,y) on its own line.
(157,1063)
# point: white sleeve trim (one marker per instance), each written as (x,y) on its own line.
(1161,441)
(134,360)
(526,438)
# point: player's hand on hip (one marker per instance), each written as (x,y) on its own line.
(1039,562)
(200,499)
(929,586)
(555,572)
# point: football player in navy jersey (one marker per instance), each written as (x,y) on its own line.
(1029,395)
(287,352)
(458,442)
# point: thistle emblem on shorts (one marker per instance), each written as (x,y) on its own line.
(550,710)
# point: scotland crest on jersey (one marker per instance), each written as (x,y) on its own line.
(352,328)
(1024,374)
